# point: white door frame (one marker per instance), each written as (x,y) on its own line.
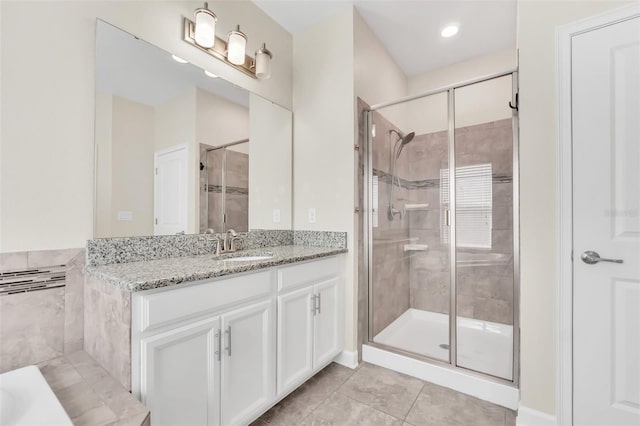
(564,184)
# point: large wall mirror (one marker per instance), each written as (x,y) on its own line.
(179,150)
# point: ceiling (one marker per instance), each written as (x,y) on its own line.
(134,69)
(410,29)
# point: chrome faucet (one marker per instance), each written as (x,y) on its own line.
(229,243)
(211,236)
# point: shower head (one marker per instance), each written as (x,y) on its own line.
(403,139)
(407,138)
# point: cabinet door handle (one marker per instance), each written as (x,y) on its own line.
(228,332)
(219,342)
(319,303)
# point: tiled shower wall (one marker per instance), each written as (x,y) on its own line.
(420,279)
(391,264)
(484,276)
(44,324)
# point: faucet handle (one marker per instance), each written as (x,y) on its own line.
(232,245)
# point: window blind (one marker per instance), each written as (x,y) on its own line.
(474,208)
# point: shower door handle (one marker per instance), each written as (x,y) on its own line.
(592,257)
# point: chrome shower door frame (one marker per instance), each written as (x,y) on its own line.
(368,234)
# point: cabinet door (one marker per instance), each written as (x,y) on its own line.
(327,341)
(295,338)
(248,362)
(179,374)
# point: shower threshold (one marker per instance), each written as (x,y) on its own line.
(483,346)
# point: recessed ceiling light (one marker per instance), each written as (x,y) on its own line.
(178,59)
(210,74)
(449,31)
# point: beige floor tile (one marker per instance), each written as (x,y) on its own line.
(59,373)
(382,389)
(98,416)
(440,406)
(78,399)
(339,409)
(296,406)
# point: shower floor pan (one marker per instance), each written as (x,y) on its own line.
(483,346)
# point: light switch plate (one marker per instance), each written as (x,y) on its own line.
(276,215)
(312,215)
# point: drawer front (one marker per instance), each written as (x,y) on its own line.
(157,309)
(292,276)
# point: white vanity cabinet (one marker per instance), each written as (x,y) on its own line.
(309,321)
(223,351)
(179,380)
(248,363)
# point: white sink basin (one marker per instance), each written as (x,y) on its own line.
(247,258)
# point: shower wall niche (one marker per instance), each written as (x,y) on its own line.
(442,274)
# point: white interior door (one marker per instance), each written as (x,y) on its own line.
(170,191)
(606,179)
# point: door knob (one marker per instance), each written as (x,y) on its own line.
(591,258)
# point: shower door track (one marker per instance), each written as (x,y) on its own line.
(368,235)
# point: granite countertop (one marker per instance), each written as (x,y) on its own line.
(145,275)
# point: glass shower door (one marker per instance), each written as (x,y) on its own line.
(236,193)
(409,280)
(484,213)
(215,185)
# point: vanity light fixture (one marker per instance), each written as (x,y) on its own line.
(232,51)
(179,59)
(210,74)
(449,31)
(263,62)
(236,46)
(205,32)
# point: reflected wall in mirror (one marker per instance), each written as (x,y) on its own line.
(181,150)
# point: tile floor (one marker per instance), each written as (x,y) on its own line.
(89,395)
(372,395)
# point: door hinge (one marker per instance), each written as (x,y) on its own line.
(356,210)
(356,147)
(156,220)
(156,171)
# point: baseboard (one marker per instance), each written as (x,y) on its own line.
(530,417)
(496,393)
(347,358)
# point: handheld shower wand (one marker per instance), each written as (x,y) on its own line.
(402,141)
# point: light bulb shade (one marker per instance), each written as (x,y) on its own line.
(205,31)
(236,47)
(263,63)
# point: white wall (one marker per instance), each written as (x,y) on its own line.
(218,120)
(48,101)
(377,77)
(324,134)
(132,166)
(474,104)
(537,21)
(104,164)
(270,165)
